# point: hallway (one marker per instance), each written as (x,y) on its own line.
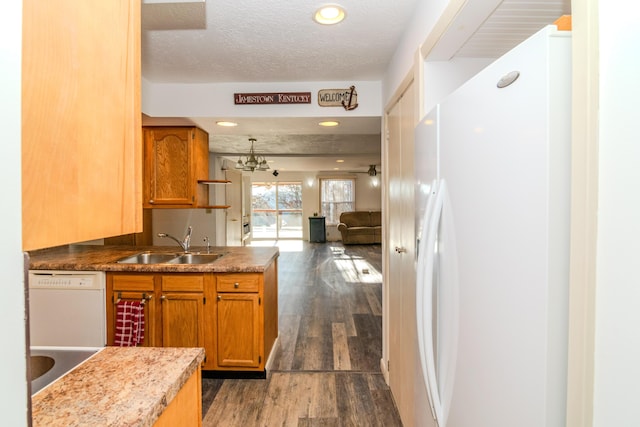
(325,369)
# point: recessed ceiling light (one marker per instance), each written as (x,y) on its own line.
(329,14)
(340,161)
(329,123)
(226,124)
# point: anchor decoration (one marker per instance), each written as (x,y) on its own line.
(346,98)
(352,104)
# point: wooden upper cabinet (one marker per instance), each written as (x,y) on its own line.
(81,121)
(175,159)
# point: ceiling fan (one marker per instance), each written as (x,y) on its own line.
(371,172)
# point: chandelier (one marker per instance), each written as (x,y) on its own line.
(252,161)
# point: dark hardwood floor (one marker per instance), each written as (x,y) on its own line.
(326,365)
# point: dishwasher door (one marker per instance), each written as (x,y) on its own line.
(67,308)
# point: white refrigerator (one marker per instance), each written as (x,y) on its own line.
(493,198)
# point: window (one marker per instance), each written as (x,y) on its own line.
(277,210)
(336,196)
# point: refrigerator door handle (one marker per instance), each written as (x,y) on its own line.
(424,301)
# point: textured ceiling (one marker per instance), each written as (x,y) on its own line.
(277,40)
(274,40)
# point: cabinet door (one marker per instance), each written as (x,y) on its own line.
(175,158)
(168,177)
(133,287)
(238,320)
(150,315)
(182,319)
(81,137)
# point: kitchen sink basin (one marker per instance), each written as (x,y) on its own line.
(147,258)
(164,258)
(50,363)
(194,259)
(40,365)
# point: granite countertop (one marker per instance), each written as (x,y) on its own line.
(239,259)
(117,386)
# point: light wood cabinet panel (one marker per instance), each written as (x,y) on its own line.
(239,282)
(174,307)
(182,319)
(133,287)
(186,408)
(233,316)
(175,159)
(245,319)
(81,121)
(239,330)
(183,283)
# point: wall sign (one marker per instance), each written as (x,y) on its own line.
(347,98)
(272,98)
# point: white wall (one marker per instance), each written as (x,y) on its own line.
(13,405)
(368,192)
(617,337)
(176,221)
(216,100)
(425,17)
(205,222)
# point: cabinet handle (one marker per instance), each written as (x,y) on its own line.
(219,298)
(162,297)
(236,285)
(400,250)
(151,201)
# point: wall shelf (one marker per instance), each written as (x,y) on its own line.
(213,181)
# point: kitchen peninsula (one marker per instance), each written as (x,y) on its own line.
(229,306)
(125,387)
(236,259)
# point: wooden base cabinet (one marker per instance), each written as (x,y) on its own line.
(182,302)
(186,408)
(233,316)
(133,287)
(244,320)
(174,306)
(238,320)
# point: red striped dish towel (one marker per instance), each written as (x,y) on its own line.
(129,323)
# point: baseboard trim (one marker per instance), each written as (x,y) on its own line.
(384,370)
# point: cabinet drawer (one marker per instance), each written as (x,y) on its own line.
(132,282)
(183,283)
(238,283)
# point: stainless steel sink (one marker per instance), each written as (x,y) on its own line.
(164,258)
(195,259)
(50,363)
(40,365)
(147,258)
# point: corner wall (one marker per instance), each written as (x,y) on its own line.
(13,369)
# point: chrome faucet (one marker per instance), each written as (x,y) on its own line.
(186,242)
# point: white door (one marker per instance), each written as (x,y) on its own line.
(404,364)
(234,212)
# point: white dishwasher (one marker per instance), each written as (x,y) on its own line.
(67,308)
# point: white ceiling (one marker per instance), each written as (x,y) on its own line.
(277,41)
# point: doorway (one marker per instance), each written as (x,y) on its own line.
(276,210)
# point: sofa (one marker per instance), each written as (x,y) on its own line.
(361,227)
